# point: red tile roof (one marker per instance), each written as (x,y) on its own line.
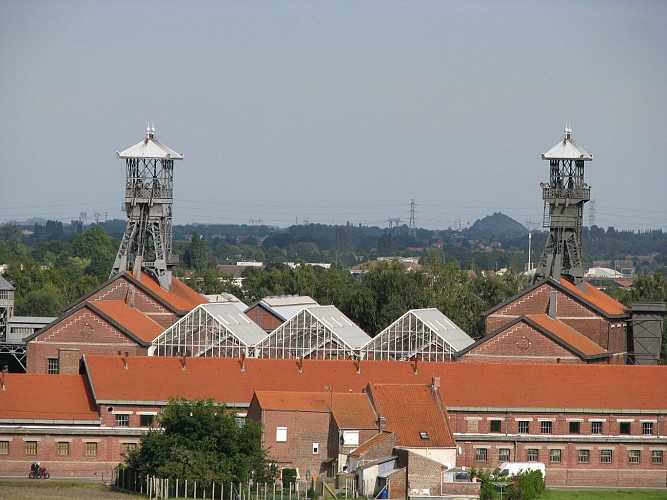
(568,335)
(350,410)
(426,425)
(180,296)
(371,443)
(135,322)
(463,384)
(596,297)
(39,398)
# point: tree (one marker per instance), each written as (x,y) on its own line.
(196,254)
(201,441)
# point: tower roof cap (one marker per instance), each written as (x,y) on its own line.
(567,149)
(150,147)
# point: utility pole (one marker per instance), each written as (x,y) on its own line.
(412,226)
(591,214)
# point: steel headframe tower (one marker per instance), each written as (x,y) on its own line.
(149,182)
(564,197)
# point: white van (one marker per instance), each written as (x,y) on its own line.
(512,469)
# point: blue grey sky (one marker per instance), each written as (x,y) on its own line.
(334,111)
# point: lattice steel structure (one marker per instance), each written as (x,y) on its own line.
(564,197)
(147,241)
(210,330)
(420,334)
(6,306)
(320,332)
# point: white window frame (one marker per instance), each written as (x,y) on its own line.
(281,434)
(350,438)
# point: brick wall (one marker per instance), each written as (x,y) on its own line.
(303,429)
(423,474)
(122,289)
(520,344)
(264,318)
(474,431)
(610,334)
(89,453)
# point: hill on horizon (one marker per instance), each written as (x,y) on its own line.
(497,223)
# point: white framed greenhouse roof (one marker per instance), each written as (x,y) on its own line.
(209,330)
(425,334)
(321,332)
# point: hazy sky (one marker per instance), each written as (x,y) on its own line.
(334,111)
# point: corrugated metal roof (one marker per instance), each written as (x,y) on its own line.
(286,306)
(340,325)
(235,321)
(444,327)
(567,149)
(150,147)
(5,285)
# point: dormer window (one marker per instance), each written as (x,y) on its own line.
(423,435)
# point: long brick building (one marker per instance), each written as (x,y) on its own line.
(593,425)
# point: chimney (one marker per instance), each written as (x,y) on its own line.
(436,383)
(382,423)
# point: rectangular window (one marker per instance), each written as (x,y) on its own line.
(281,434)
(624,428)
(53,366)
(633,456)
(63,448)
(146,420)
(605,456)
(122,420)
(524,427)
(31,447)
(584,456)
(545,427)
(503,454)
(128,447)
(647,428)
(656,457)
(480,454)
(554,456)
(596,427)
(91,449)
(495,425)
(350,438)
(532,454)
(4,447)
(575,427)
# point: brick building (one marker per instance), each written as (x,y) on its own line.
(124,314)
(271,312)
(592,425)
(552,322)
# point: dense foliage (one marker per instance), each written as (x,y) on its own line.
(201,441)
(525,486)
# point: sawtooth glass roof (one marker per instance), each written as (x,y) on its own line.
(319,332)
(425,334)
(210,330)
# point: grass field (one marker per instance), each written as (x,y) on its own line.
(68,490)
(48,489)
(605,495)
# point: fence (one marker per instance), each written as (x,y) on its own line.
(159,488)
